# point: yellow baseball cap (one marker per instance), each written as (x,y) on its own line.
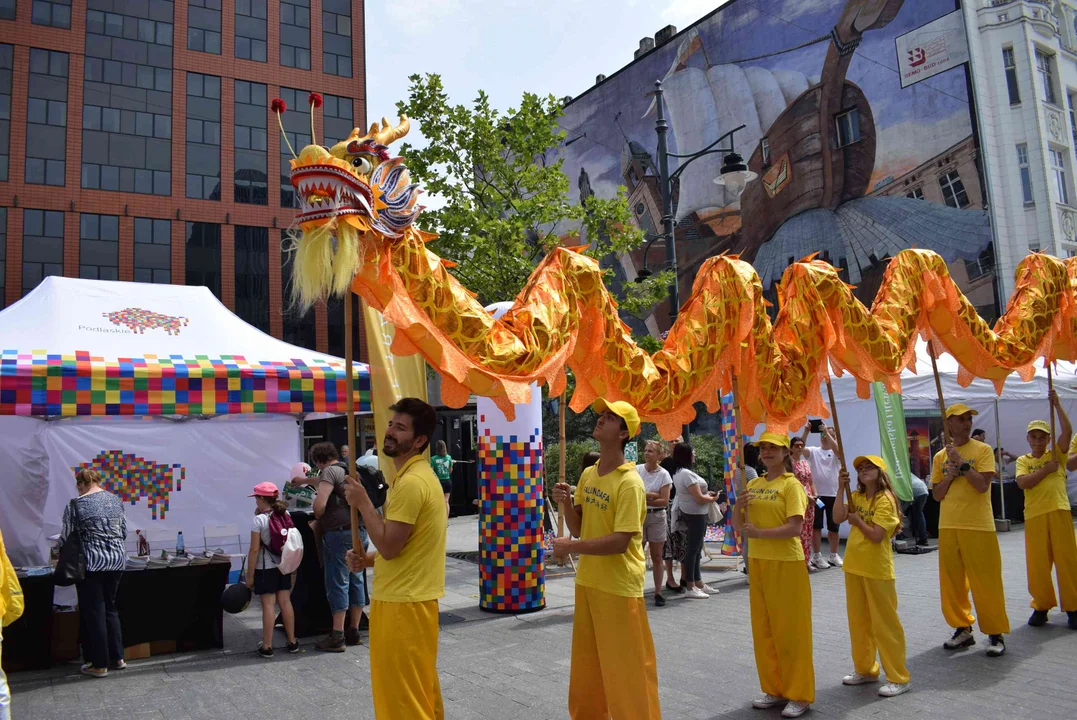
(873,459)
(959,409)
(621,409)
(779,439)
(1039,425)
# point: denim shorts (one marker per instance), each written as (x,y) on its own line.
(343,589)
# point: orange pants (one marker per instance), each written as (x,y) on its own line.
(404,660)
(1050,540)
(971,559)
(780,599)
(874,627)
(614,671)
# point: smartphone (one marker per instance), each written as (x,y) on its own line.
(816,426)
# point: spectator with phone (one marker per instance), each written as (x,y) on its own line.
(825,465)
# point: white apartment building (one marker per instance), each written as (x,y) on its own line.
(1024,64)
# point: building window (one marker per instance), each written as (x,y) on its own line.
(7,57)
(1045,67)
(338,118)
(7,9)
(42,246)
(848,127)
(252,276)
(916,193)
(1026,175)
(56,13)
(99,247)
(251,177)
(764,150)
(3,254)
(298,328)
(337,37)
(251,30)
(127,99)
(1058,166)
(981,266)
(953,190)
(153,251)
(46,118)
(297,124)
(203,256)
(295,34)
(203,136)
(1010,65)
(1073,120)
(204,26)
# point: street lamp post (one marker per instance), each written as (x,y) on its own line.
(734,176)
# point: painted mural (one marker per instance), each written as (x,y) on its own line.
(850,165)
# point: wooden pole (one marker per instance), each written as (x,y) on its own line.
(938,390)
(837,436)
(349,405)
(561,471)
(1053,442)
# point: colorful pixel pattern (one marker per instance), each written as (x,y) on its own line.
(139,321)
(38,383)
(130,477)
(511,572)
(731,451)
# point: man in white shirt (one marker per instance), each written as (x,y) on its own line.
(825,466)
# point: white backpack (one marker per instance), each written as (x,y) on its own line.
(292,552)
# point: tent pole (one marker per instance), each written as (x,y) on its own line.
(998,460)
(349,405)
(837,435)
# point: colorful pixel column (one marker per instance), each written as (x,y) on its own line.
(511,572)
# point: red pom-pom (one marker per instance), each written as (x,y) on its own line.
(278,105)
(315,99)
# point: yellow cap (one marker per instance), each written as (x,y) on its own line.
(779,439)
(873,459)
(959,409)
(621,409)
(1039,425)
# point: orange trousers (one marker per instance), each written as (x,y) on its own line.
(779,595)
(970,559)
(1050,540)
(404,660)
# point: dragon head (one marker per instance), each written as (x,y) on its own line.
(350,191)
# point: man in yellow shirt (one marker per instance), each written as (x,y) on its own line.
(614,671)
(969,555)
(409,571)
(1049,536)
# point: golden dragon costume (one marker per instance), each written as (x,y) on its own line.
(356,230)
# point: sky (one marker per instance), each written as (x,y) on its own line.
(508,47)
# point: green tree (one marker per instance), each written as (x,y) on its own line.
(506,194)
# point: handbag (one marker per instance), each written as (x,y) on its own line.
(714,514)
(71,566)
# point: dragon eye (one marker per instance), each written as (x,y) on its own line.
(362,164)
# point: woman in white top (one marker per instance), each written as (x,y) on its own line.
(657,483)
(691,505)
(263,576)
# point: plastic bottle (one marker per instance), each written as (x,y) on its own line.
(179,543)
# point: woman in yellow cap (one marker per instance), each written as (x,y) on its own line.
(870,592)
(780,593)
(1049,538)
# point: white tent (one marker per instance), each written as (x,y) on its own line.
(181,404)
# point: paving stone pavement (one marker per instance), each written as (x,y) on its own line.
(494,667)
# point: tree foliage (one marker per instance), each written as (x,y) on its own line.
(506,195)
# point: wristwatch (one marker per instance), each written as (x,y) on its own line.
(965,467)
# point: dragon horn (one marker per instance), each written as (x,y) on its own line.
(387,134)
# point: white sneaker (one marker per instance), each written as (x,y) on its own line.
(819,561)
(795,708)
(709,590)
(812,569)
(835,560)
(894,689)
(695,593)
(767,701)
(962,637)
(858,679)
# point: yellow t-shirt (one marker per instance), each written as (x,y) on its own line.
(615,502)
(770,504)
(965,507)
(1050,493)
(862,556)
(417,574)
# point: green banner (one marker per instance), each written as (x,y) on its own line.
(893,441)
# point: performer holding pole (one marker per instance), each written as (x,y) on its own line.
(969,556)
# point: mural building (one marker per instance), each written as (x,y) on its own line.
(850,165)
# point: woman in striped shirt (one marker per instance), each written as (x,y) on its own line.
(99,520)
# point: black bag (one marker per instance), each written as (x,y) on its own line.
(71,567)
(374,482)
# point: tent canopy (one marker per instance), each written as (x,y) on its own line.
(91,347)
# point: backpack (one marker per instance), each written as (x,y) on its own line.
(285,542)
(373,481)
